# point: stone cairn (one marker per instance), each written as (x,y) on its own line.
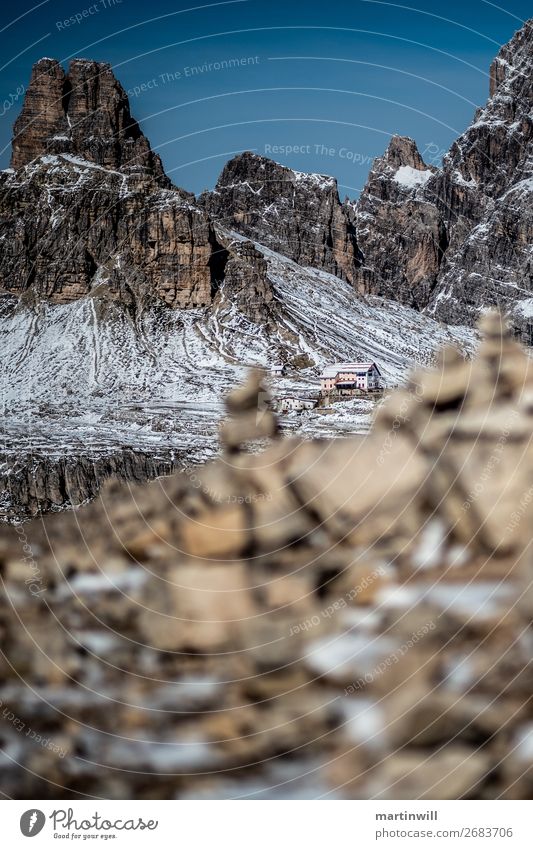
(342,618)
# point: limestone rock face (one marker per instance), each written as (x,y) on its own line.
(87,208)
(246,286)
(42,114)
(84,112)
(484,191)
(34,485)
(72,228)
(402,235)
(296,214)
(457,239)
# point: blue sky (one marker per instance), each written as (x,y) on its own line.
(319,87)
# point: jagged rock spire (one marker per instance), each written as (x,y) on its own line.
(402,151)
(401,236)
(84,112)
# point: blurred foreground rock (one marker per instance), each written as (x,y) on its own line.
(345,618)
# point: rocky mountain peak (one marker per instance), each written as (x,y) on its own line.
(248,165)
(84,112)
(494,150)
(457,239)
(402,151)
(484,192)
(297,214)
(401,236)
(42,114)
(514,60)
(88,210)
(400,170)
(250,168)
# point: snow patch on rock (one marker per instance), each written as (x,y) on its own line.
(411,178)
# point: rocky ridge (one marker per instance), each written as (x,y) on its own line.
(447,240)
(485,189)
(296,214)
(450,240)
(31,485)
(401,235)
(460,235)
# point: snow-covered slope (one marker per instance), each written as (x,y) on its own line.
(78,353)
(94,372)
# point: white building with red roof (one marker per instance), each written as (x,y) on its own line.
(347,378)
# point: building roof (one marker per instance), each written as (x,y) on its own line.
(296,398)
(334,369)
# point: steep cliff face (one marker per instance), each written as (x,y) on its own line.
(71,228)
(297,214)
(246,286)
(402,235)
(31,485)
(84,112)
(87,208)
(485,191)
(458,239)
